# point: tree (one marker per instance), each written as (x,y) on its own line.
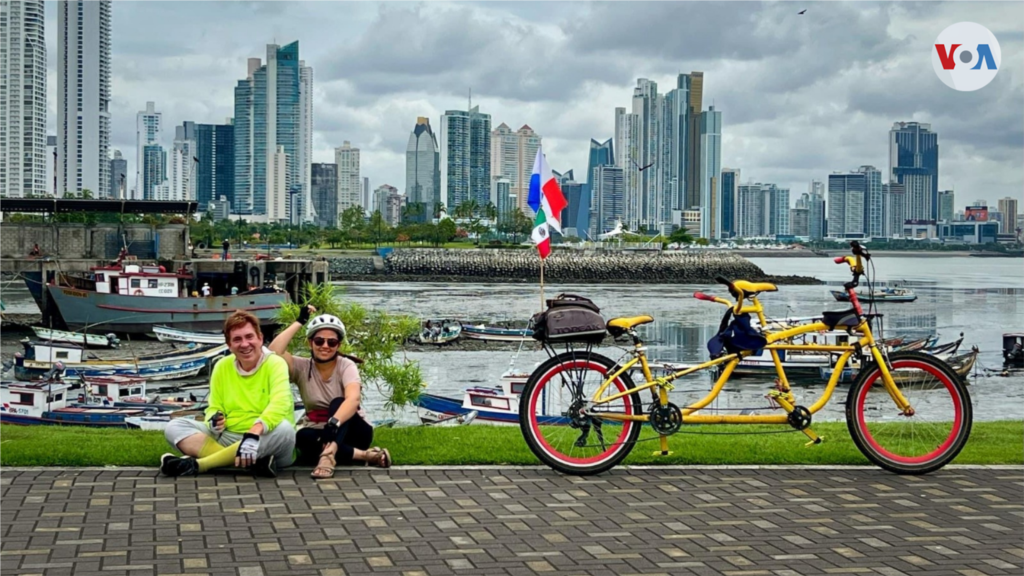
(680,236)
(446,230)
(491,212)
(377,228)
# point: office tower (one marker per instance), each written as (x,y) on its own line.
(752,209)
(23,99)
(946,205)
(874,203)
(215,171)
(83,96)
(388,202)
(148,132)
(278,206)
(154,159)
(182,163)
(503,198)
(304,212)
(1008,208)
(601,154)
(118,175)
(710,168)
(573,192)
(730,182)
(324,193)
(696,93)
(846,196)
(367,200)
(778,210)
(914,162)
(465,157)
(512,157)
(816,216)
(896,202)
(608,197)
(347,159)
(799,221)
(651,208)
(675,128)
(422,171)
(273,110)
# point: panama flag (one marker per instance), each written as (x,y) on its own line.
(547,200)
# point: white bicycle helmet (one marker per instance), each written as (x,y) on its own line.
(325,322)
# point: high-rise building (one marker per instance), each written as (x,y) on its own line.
(601,154)
(627,144)
(148,132)
(799,221)
(367,199)
(696,93)
(753,203)
(816,216)
(389,202)
(896,202)
(914,162)
(465,157)
(347,159)
(675,129)
(512,157)
(278,205)
(273,109)
(730,182)
(51,165)
(710,168)
(846,194)
(874,202)
(182,162)
(778,210)
(215,171)
(503,197)
(573,192)
(422,171)
(83,96)
(23,99)
(118,176)
(154,158)
(652,210)
(608,197)
(1008,208)
(325,194)
(947,205)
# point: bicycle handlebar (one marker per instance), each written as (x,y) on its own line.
(839,259)
(710,298)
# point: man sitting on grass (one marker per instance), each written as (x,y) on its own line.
(250,418)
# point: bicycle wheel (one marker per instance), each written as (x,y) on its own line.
(556,429)
(916,444)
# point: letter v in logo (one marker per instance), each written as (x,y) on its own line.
(946,57)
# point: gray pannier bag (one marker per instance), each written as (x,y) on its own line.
(569,318)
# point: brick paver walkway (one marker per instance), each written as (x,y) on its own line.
(738,522)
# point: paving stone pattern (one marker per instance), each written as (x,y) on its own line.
(420,522)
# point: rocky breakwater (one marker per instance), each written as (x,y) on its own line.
(604,267)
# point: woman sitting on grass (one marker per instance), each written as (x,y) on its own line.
(334,427)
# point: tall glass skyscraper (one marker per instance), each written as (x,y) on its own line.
(422,171)
(465,157)
(710,168)
(846,199)
(874,203)
(730,180)
(601,154)
(215,173)
(23,113)
(914,162)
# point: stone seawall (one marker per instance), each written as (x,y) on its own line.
(562,266)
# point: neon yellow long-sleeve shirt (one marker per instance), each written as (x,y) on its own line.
(264,396)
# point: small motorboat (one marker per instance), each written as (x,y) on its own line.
(168,334)
(895,294)
(495,333)
(495,405)
(1013,349)
(439,332)
(89,340)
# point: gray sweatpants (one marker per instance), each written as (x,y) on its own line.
(280,441)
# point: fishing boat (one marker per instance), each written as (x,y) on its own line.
(132,298)
(39,358)
(159,421)
(89,340)
(1013,349)
(168,334)
(496,405)
(46,403)
(960,363)
(882,295)
(495,333)
(439,332)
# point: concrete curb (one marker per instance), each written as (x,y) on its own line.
(674,467)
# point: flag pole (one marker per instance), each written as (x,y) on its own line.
(541,284)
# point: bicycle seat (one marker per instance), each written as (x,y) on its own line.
(625,323)
(845,318)
(751,288)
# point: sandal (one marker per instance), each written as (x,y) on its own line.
(322,472)
(379,457)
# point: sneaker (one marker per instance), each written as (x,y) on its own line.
(171,465)
(264,467)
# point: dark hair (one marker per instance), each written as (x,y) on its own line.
(237,320)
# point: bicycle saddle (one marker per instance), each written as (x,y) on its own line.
(751,288)
(625,323)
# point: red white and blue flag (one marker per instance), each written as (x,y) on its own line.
(547,200)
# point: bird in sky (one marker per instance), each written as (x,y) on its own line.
(802,11)
(639,169)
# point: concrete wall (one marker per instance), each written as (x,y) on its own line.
(82,241)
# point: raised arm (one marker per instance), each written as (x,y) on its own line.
(280,344)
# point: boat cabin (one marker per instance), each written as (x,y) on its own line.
(113,389)
(1013,349)
(52,352)
(139,280)
(33,398)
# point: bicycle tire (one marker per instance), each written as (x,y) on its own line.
(922,432)
(530,425)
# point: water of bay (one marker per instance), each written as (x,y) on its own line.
(979,297)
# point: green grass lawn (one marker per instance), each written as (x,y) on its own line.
(990,443)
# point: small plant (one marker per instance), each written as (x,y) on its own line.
(373,336)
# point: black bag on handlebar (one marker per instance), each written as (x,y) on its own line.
(735,336)
(569,318)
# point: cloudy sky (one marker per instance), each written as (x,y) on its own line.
(801,95)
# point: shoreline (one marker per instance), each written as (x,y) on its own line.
(876,253)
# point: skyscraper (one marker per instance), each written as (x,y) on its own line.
(601,154)
(627,142)
(182,162)
(23,97)
(154,158)
(512,157)
(896,202)
(118,176)
(675,136)
(347,159)
(1008,208)
(608,197)
(273,109)
(304,212)
(730,181)
(465,157)
(83,96)
(947,206)
(644,154)
(696,92)
(422,170)
(778,210)
(325,194)
(816,216)
(846,195)
(874,203)
(148,132)
(914,162)
(215,172)
(710,168)
(752,210)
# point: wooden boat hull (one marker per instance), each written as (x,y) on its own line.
(112,418)
(496,334)
(85,310)
(157,367)
(90,340)
(844,297)
(167,334)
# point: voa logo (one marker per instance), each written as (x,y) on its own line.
(966,56)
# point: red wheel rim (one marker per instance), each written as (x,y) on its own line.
(957,419)
(616,445)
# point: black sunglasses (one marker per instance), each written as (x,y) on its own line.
(332,342)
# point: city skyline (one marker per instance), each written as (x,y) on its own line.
(781,123)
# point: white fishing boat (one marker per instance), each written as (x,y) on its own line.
(494,405)
(167,334)
(159,422)
(39,358)
(439,332)
(90,340)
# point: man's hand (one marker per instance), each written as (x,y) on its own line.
(216,422)
(247,450)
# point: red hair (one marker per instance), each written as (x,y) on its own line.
(237,320)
